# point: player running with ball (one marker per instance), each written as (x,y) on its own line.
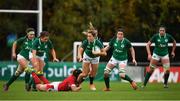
(90,52)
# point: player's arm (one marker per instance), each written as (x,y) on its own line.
(34,52)
(80,53)
(101,53)
(173,49)
(133,55)
(53,53)
(74,88)
(107,48)
(148,45)
(14,47)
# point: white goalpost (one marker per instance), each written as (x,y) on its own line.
(39,12)
(77,43)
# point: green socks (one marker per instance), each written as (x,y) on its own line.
(106,80)
(27,78)
(12,79)
(127,78)
(91,79)
(166,76)
(148,75)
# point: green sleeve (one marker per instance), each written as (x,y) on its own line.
(84,44)
(99,44)
(170,37)
(50,45)
(111,43)
(153,38)
(129,45)
(20,40)
(35,44)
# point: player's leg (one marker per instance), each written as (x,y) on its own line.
(153,65)
(124,76)
(85,72)
(40,72)
(111,64)
(166,65)
(39,86)
(22,64)
(94,68)
(12,78)
(93,75)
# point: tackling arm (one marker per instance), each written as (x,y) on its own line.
(74,88)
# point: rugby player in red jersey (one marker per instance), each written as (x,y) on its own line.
(68,84)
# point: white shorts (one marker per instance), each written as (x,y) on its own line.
(157,57)
(121,64)
(20,57)
(87,59)
(55,84)
(39,57)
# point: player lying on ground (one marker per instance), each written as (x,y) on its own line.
(160,52)
(120,46)
(69,84)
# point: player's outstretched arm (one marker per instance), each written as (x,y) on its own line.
(80,53)
(74,88)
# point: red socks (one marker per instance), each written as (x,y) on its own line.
(43,79)
(36,78)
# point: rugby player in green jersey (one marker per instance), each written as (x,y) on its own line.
(91,74)
(160,53)
(120,46)
(89,52)
(25,43)
(39,51)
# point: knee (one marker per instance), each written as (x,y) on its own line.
(107,71)
(17,73)
(106,75)
(167,71)
(166,66)
(84,74)
(122,75)
(152,67)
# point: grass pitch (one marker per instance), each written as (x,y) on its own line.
(120,91)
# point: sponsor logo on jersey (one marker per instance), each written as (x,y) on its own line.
(119,51)
(166,40)
(122,46)
(46,46)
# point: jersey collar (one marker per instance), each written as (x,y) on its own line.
(162,36)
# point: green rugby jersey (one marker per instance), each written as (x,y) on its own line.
(120,48)
(88,47)
(161,43)
(42,47)
(25,46)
